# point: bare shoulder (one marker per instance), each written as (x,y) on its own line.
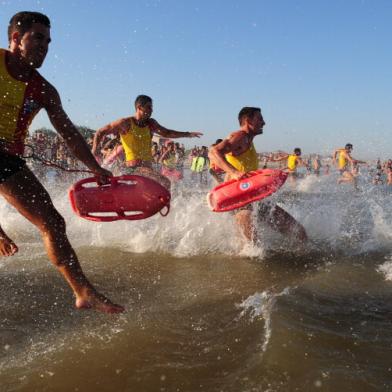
(237,136)
(232,143)
(153,124)
(49,93)
(124,121)
(239,140)
(122,125)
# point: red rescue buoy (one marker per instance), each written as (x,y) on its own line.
(255,186)
(128,197)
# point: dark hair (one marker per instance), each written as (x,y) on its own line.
(348,146)
(142,100)
(247,112)
(22,22)
(297,151)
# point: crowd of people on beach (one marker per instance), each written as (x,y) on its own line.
(172,158)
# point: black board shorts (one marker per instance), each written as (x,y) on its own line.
(10,165)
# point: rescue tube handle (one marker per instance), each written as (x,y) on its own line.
(167,210)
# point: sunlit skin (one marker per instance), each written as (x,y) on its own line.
(7,246)
(23,191)
(28,51)
(347,175)
(292,172)
(142,118)
(237,143)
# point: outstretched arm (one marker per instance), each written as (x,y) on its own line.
(169,133)
(359,162)
(113,128)
(279,158)
(70,134)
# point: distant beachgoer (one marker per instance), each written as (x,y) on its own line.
(388,171)
(344,160)
(215,171)
(168,161)
(113,155)
(237,156)
(23,93)
(180,157)
(377,179)
(136,134)
(316,163)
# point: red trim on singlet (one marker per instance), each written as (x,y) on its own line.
(33,102)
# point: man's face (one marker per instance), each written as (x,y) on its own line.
(34,44)
(145,111)
(257,123)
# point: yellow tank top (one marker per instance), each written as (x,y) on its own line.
(292,162)
(245,162)
(137,143)
(342,162)
(19,103)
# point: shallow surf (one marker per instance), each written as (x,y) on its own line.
(204,312)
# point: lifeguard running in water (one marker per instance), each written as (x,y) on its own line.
(24,92)
(237,155)
(136,133)
(344,161)
(293,161)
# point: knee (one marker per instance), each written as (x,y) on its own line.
(53,223)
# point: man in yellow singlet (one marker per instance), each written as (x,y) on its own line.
(293,161)
(23,93)
(344,160)
(236,155)
(136,134)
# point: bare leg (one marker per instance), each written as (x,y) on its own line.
(244,221)
(348,177)
(151,173)
(29,197)
(280,220)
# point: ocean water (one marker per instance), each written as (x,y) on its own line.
(204,312)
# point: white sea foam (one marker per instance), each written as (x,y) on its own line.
(386,269)
(261,305)
(334,216)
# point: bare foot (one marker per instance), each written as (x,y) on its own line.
(7,246)
(93,300)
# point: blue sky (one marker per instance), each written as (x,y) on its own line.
(320,70)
